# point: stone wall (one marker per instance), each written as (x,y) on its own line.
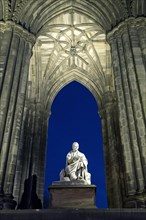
(15,56)
(128,59)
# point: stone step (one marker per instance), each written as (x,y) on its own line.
(74,214)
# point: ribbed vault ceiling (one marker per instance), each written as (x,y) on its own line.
(71,39)
(73,47)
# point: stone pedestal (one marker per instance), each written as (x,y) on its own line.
(72,196)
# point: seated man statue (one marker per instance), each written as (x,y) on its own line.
(76,166)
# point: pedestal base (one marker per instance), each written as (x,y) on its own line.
(72,196)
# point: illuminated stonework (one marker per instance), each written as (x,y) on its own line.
(47,44)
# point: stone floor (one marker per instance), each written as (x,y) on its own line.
(74,214)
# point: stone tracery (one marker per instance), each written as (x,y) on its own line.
(71,45)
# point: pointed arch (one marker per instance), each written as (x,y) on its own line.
(105,13)
(73,75)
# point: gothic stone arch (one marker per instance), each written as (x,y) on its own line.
(102,44)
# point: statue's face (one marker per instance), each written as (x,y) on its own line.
(75,146)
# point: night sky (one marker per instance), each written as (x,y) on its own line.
(75,118)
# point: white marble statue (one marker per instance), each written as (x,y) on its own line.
(76,166)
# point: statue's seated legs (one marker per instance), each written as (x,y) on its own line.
(73,176)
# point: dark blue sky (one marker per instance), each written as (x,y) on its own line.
(75,118)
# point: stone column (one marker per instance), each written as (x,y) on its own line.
(36,139)
(32,145)
(31,157)
(13,91)
(39,145)
(42,156)
(21,160)
(141,31)
(6,38)
(37,168)
(40,127)
(129,75)
(25,149)
(111,142)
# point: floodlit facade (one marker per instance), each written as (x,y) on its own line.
(45,45)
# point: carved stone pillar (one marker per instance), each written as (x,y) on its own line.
(24,158)
(31,157)
(141,30)
(6,37)
(16,53)
(21,160)
(30,167)
(42,157)
(39,149)
(111,142)
(129,75)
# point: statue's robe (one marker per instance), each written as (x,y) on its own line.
(76,166)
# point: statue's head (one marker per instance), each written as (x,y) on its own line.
(75,146)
